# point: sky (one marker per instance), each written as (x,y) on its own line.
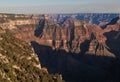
(59,6)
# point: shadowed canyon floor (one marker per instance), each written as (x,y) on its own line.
(78,67)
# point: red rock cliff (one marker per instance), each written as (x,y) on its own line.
(75,36)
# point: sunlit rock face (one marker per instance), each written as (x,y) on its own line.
(73,36)
(62,31)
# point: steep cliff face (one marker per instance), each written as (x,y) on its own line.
(76,37)
(71,35)
(112,33)
(12,21)
(19,63)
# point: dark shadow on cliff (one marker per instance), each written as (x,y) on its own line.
(77,67)
(71,36)
(113,42)
(84,46)
(39,30)
(112,22)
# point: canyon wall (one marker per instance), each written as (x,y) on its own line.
(74,48)
(74,36)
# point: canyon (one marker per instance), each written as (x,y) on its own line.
(70,36)
(78,46)
(19,62)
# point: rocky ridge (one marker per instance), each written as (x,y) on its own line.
(72,36)
(19,63)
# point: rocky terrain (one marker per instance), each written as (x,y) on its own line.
(19,63)
(100,19)
(77,46)
(82,46)
(69,37)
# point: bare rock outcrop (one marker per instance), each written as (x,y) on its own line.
(72,36)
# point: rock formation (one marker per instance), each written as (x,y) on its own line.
(19,63)
(74,36)
(75,48)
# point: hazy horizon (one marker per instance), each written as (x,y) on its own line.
(63,6)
